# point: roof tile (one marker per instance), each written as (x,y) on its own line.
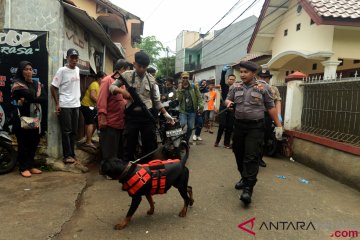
(337,8)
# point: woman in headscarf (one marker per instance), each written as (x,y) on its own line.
(28,95)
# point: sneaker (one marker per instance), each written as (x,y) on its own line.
(216,144)
(199,138)
(194,138)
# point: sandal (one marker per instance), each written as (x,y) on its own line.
(26,173)
(69,160)
(35,171)
(90,145)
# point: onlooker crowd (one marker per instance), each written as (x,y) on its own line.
(124,107)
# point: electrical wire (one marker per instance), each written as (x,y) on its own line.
(235,37)
(221,31)
(227,13)
(154,10)
(229,48)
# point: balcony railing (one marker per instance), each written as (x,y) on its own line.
(192,67)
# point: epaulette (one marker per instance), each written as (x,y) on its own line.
(237,86)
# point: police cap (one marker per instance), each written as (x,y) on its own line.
(264,73)
(249,65)
(142,58)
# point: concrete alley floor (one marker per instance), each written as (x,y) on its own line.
(59,205)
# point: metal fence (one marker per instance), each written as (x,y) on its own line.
(332,109)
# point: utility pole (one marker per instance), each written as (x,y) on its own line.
(167,61)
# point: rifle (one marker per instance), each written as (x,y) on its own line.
(135,96)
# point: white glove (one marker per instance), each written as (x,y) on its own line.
(169,117)
(278,133)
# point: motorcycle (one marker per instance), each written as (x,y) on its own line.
(172,136)
(7,152)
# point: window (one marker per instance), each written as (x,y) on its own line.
(311,22)
(285,32)
(298,9)
(314,66)
(298,26)
(190,58)
(356,61)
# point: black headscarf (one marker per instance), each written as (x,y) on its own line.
(22,65)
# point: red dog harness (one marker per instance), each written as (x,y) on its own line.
(142,176)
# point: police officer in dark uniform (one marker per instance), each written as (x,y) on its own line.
(250,98)
(136,119)
(265,75)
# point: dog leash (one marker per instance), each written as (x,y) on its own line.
(226,109)
(154,151)
(222,111)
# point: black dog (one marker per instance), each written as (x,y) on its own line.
(149,179)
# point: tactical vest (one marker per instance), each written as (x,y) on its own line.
(154,170)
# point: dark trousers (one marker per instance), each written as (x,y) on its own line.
(247,147)
(133,127)
(226,124)
(268,128)
(111,143)
(68,118)
(267,132)
(199,123)
(28,140)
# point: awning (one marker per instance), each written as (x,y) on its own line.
(94,27)
(113,21)
(286,57)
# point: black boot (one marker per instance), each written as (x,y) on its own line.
(240,185)
(246,195)
(262,163)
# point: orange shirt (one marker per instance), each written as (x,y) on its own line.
(211,102)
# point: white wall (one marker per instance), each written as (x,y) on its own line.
(207,75)
(311,38)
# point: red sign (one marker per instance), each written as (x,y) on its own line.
(242,226)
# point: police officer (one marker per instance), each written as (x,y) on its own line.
(250,98)
(136,119)
(266,76)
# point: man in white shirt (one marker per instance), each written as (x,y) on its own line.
(65,89)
